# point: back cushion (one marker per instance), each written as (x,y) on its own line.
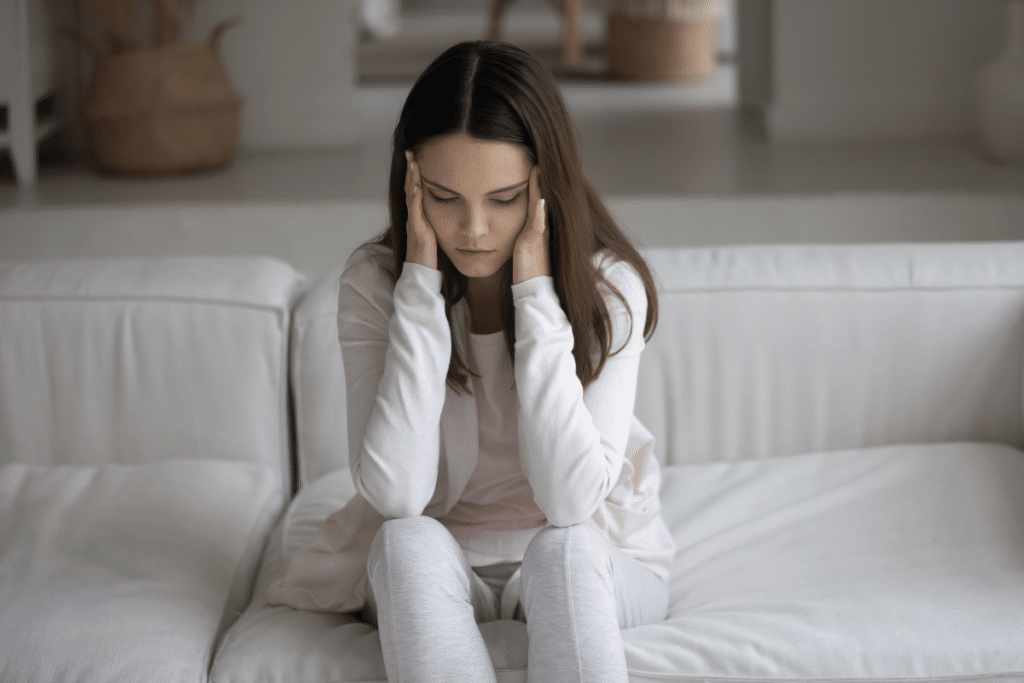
(776,350)
(131,361)
(318,374)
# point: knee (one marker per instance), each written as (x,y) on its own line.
(412,526)
(578,546)
(408,536)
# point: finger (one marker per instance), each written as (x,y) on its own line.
(536,202)
(531,199)
(415,194)
(410,177)
(408,173)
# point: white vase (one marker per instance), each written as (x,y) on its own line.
(999,95)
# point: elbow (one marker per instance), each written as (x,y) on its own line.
(394,502)
(563,519)
(401,506)
(561,512)
(401,512)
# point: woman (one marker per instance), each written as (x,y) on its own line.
(491,340)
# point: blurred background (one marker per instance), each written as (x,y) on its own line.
(749,121)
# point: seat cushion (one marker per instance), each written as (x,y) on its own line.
(125,573)
(900,563)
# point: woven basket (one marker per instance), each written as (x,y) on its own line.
(163,110)
(663,40)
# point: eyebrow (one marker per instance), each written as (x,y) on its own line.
(504,189)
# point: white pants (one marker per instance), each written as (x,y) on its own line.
(577,591)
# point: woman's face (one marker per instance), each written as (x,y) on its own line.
(475,199)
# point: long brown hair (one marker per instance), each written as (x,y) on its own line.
(496,91)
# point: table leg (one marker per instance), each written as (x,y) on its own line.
(572,32)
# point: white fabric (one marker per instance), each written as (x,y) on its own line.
(587,458)
(779,350)
(283,645)
(318,382)
(125,573)
(883,565)
(496,516)
(903,563)
(136,361)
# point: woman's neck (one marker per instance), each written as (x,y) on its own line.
(483,295)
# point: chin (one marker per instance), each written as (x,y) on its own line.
(476,272)
(477,266)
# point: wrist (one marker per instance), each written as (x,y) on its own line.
(422,255)
(528,267)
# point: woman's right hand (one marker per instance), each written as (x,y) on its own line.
(421,240)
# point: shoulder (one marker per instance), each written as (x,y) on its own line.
(366,286)
(371,257)
(370,267)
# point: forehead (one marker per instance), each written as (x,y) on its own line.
(469,165)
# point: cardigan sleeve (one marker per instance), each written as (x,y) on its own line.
(575,439)
(396,347)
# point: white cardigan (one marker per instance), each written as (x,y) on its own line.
(413,440)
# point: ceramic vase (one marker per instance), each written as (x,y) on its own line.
(999,95)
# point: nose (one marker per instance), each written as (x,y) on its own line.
(475,223)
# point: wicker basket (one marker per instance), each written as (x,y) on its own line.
(163,110)
(663,40)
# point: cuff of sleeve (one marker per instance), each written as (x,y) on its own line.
(543,285)
(429,278)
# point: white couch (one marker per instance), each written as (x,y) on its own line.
(840,427)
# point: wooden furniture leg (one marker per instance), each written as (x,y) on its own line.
(572,32)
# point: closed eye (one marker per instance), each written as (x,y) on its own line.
(442,200)
(506,202)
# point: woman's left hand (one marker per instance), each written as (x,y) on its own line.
(531,255)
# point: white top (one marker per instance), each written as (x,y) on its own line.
(414,441)
(496,517)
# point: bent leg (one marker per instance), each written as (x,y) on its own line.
(578,591)
(427,605)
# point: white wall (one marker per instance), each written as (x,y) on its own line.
(877,68)
(294,62)
(753,30)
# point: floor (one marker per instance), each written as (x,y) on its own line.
(429,27)
(687,153)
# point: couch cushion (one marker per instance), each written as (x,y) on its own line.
(136,360)
(126,573)
(318,382)
(778,350)
(891,564)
